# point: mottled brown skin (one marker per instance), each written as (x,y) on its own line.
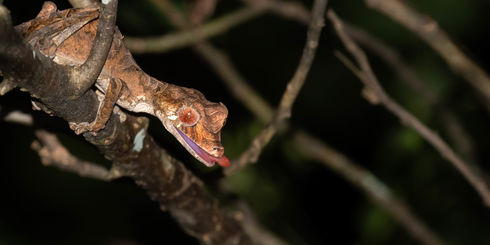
(66,37)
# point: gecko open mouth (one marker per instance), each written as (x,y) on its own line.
(208,159)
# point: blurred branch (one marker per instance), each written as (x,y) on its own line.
(19,118)
(292,10)
(53,153)
(184,38)
(375,94)
(455,129)
(429,31)
(283,112)
(331,158)
(231,77)
(201,10)
(376,190)
(258,233)
(262,110)
(235,83)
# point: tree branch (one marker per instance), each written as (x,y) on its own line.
(164,178)
(376,190)
(292,90)
(184,38)
(378,95)
(53,153)
(429,31)
(329,157)
(455,129)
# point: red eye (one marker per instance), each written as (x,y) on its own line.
(188,116)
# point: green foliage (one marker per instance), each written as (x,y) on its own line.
(376,226)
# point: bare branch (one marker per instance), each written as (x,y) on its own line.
(287,9)
(165,179)
(457,133)
(53,153)
(171,12)
(86,75)
(257,105)
(201,10)
(453,126)
(371,84)
(19,118)
(292,90)
(185,38)
(429,31)
(259,234)
(376,190)
(234,82)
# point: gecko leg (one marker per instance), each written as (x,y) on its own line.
(105,109)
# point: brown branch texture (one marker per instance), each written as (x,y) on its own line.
(123,138)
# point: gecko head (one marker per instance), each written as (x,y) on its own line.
(197,124)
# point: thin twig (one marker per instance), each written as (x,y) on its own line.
(172,12)
(364,180)
(288,9)
(429,31)
(259,234)
(455,129)
(53,153)
(201,10)
(262,110)
(235,83)
(185,38)
(293,88)
(19,117)
(371,83)
(85,75)
(330,158)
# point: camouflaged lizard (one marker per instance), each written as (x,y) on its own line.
(66,38)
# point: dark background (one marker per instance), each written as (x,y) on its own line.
(299,199)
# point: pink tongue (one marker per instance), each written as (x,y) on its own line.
(222,161)
(210,160)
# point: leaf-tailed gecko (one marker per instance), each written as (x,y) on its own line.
(66,38)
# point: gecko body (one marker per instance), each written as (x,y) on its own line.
(66,38)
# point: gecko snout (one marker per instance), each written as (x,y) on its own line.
(219,150)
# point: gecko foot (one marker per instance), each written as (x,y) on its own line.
(104,112)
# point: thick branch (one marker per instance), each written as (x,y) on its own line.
(377,95)
(42,78)
(164,178)
(292,90)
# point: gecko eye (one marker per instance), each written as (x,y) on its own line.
(188,116)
